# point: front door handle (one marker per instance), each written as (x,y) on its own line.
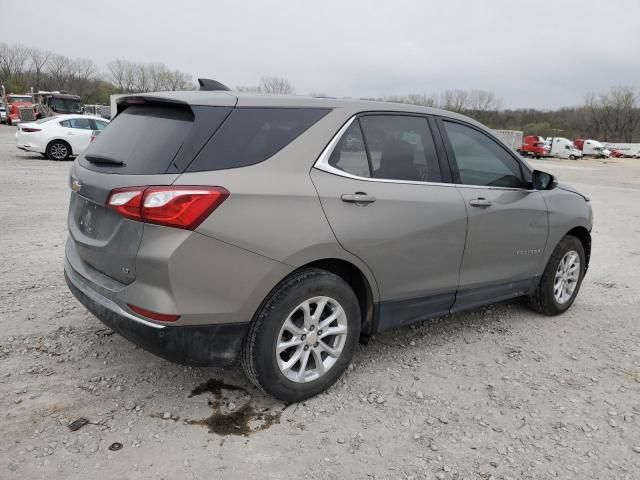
(358,198)
(480,202)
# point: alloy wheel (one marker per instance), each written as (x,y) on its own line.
(567,276)
(311,339)
(59,151)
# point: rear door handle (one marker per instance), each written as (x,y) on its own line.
(358,197)
(480,202)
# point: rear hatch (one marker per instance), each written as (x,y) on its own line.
(150,142)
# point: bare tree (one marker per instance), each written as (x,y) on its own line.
(14,66)
(142,77)
(118,71)
(421,99)
(60,70)
(455,100)
(39,59)
(158,76)
(276,85)
(614,115)
(177,80)
(483,101)
(84,71)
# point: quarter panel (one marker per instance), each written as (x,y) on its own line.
(202,279)
(273,208)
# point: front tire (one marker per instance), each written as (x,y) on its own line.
(572,157)
(303,336)
(561,279)
(58,150)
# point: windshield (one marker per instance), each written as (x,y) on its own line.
(18,98)
(66,105)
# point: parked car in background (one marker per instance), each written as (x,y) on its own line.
(3,114)
(59,137)
(533,146)
(382,215)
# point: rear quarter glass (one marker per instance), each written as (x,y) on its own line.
(252,135)
(153,139)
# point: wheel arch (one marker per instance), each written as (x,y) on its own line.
(57,139)
(582,234)
(361,286)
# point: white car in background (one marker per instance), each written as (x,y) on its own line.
(59,137)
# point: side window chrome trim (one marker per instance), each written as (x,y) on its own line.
(323,164)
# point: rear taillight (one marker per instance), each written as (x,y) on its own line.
(30,130)
(176,206)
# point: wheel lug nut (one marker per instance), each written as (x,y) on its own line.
(319,332)
(316,345)
(312,327)
(303,337)
(306,347)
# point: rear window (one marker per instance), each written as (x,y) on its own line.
(252,135)
(145,137)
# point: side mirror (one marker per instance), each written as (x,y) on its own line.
(543,180)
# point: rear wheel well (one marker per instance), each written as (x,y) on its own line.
(360,285)
(60,141)
(584,236)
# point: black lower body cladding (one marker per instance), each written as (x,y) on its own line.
(202,345)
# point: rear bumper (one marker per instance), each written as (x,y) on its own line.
(206,345)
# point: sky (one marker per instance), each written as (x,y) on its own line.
(543,54)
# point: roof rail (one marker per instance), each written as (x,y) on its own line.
(211,85)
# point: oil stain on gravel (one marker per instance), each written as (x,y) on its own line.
(243,420)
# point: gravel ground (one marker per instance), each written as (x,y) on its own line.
(495,393)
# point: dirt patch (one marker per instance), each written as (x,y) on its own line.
(242,420)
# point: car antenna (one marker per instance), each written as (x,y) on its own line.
(212,85)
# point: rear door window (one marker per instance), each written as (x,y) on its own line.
(80,123)
(252,135)
(401,148)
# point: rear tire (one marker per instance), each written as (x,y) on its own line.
(290,314)
(58,150)
(550,296)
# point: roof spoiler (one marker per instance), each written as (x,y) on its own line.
(212,85)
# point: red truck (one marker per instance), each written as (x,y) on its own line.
(533,146)
(19,108)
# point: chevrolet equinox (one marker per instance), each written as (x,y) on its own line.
(210,226)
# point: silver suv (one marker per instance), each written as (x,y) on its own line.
(281,230)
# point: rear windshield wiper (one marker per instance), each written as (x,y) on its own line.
(105,160)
